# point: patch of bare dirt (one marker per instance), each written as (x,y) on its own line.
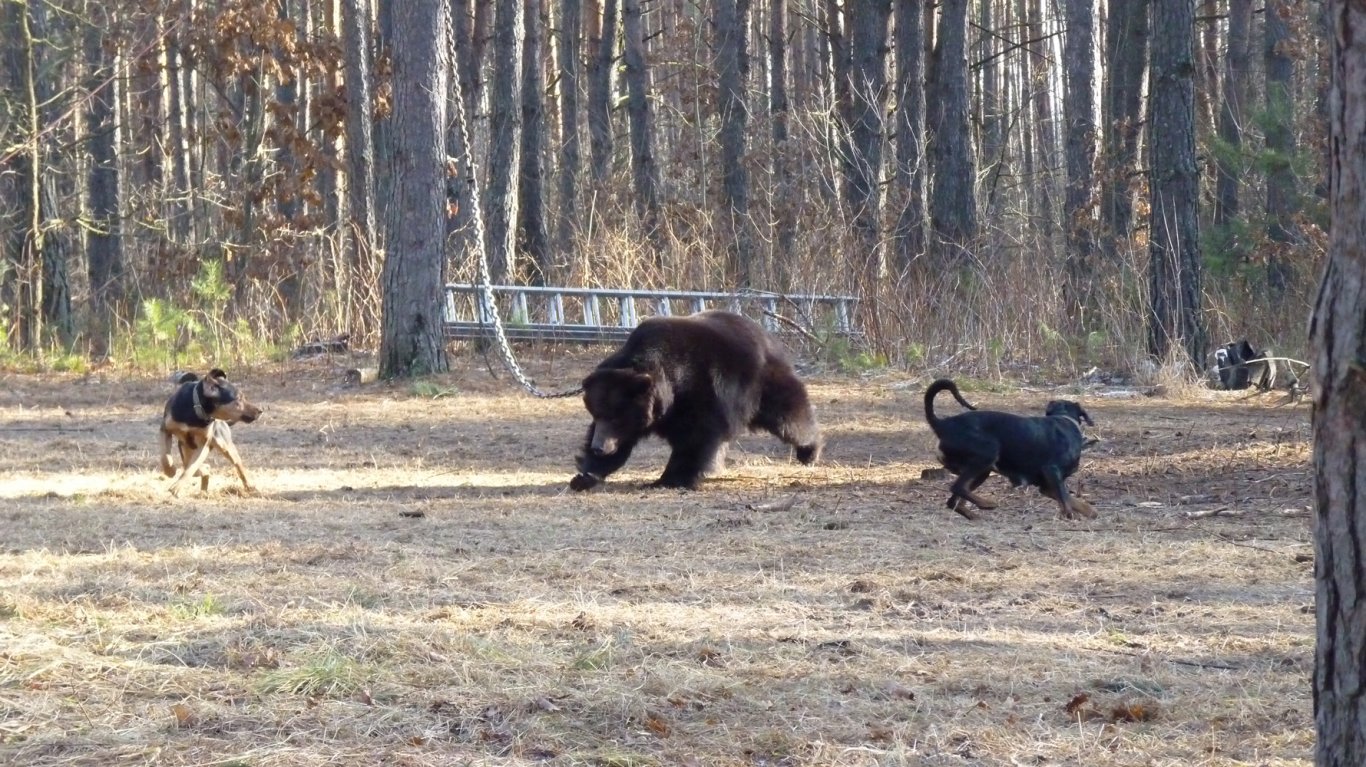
(414,585)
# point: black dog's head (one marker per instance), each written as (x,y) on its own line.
(1068,409)
(222,401)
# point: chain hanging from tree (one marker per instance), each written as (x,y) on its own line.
(488,306)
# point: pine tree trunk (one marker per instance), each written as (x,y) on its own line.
(644,172)
(867,21)
(779,109)
(1045,137)
(1126,58)
(1338,334)
(533,237)
(1174,267)
(570,203)
(412,339)
(953,204)
(1231,116)
(1281,192)
(362,237)
(103,239)
(1080,150)
(732,64)
(505,117)
(909,234)
(602,46)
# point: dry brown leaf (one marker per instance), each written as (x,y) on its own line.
(1074,705)
(898,691)
(879,732)
(1133,711)
(184,717)
(657,725)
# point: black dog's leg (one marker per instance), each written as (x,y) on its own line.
(958,499)
(1055,487)
(594,468)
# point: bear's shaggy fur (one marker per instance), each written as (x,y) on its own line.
(698,382)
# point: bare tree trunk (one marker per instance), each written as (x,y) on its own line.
(1174,267)
(784,216)
(505,117)
(1045,138)
(644,172)
(1338,334)
(1231,117)
(909,234)
(602,45)
(567,220)
(103,238)
(179,104)
(412,340)
(1079,109)
(993,126)
(953,204)
(1126,58)
(1207,72)
(26,240)
(362,237)
(1281,192)
(532,233)
(868,75)
(731,23)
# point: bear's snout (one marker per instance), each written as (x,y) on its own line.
(603,442)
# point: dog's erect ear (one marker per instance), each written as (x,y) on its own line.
(217,373)
(209,386)
(186,377)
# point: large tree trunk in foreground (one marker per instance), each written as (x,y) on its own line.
(1338,335)
(412,340)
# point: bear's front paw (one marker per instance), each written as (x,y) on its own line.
(584,481)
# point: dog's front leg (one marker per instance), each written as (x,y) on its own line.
(194,466)
(167,464)
(223,439)
(1070,505)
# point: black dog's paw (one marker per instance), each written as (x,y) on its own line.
(584,481)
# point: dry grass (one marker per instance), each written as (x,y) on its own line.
(782,616)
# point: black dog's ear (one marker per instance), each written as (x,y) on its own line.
(1068,409)
(1245,351)
(186,377)
(217,373)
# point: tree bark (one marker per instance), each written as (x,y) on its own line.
(505,117)
(953,206)
(779,109)
(731,24)
(1281,193)
(1045,138)
(103,239)
(602,45)
(1079,109)
(909,234)
(1175,271)
(1338,334)
(362,238)
(25,240)
(1126,58)
(567,220)
(867,21)
(1230,129)
(644,171)
(533,236)
(412,339)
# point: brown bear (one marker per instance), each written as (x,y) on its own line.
(698,382)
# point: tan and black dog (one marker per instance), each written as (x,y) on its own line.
(1042,451)
(198,417)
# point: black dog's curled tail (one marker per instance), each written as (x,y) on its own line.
(943,384)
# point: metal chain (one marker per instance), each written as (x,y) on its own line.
(485,281)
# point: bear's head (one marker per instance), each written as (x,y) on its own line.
(624,404)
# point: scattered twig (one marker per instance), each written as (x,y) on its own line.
(1222,511)
(788,321)
(1178,661)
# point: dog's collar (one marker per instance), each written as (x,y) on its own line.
(199,406)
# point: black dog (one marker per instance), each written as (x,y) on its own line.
(197,416)
(1239,365)
(1039,451)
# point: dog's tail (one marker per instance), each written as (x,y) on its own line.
(943,384)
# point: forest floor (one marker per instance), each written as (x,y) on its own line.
(412,584)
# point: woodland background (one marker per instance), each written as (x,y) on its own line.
(1005,183)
